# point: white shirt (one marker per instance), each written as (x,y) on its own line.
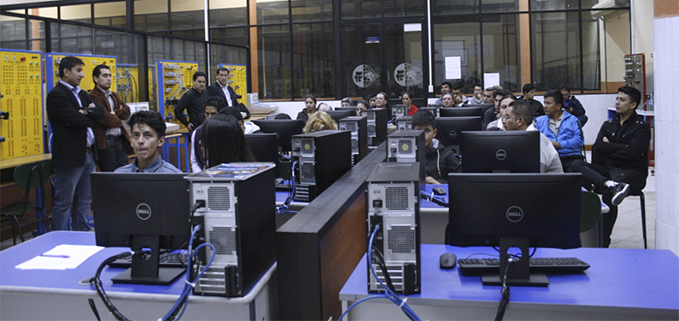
(76,91)
(549,157)
(225,89)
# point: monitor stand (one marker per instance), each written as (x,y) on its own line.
(145,265)
(519,272)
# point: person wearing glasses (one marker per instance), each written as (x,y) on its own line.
(519,116)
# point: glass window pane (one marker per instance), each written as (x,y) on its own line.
(400,8)
(361,9)
(81,13)
(49,12)
(274,73)
(459,39)
(228,13)
(601,5)
(13,33)
(272,12)
(71,39)
(556,50)
(615,29)
(151,15)
(591,53)
(499,5)
(455,6)
(362,63)
(110,14)
(553,5)
(501,50)
(311,10)
(313,60)
(187,14)
(404,63)
(231,36)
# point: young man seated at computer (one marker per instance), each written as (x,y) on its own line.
(562,129)
(519,116)
(440,160)
(147,138)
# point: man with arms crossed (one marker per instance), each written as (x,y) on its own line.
(72,115)
(619,157)
(111,135)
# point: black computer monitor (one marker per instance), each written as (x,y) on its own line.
(347,108)
(460,112)
(514,210)
(450,130)
(147,212)
(484,107)
(501,151)
(339,114)
(285,128)
(433,110)
(264,148)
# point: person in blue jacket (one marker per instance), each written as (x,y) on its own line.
(562,129)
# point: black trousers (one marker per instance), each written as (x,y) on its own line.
(594,176)
(115,154)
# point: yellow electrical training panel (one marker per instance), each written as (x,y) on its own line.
(90,61)
(21,103)
(238,80)
(174,79)
(128,83)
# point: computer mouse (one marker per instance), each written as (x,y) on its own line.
(439,190)
(447,260)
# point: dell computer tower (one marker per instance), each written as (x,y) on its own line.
(236,208)
(377,125)
(398,111)
(358,126)
(393,204)
(404,123)
(407,146)
(322,157)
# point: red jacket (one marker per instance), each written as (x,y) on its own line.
(120,112)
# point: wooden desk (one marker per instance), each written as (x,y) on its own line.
(17,161)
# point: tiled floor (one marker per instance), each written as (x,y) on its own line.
(626,234)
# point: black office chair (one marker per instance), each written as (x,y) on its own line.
(642,201)
(27,177)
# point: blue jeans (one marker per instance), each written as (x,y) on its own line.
(72,187)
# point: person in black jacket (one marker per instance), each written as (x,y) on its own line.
(572,105)
(72,115)
(193,101)
(222,90)
(440,160)
(619,156)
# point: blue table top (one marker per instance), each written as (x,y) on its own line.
(50,280)
(617,278)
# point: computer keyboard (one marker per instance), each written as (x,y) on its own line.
(165,260)
(561,265)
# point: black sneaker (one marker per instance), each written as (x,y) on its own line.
(619,192)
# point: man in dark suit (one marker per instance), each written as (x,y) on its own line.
(222,90)
(72,115)
(111,136)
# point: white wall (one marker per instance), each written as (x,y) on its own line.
(666,133)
